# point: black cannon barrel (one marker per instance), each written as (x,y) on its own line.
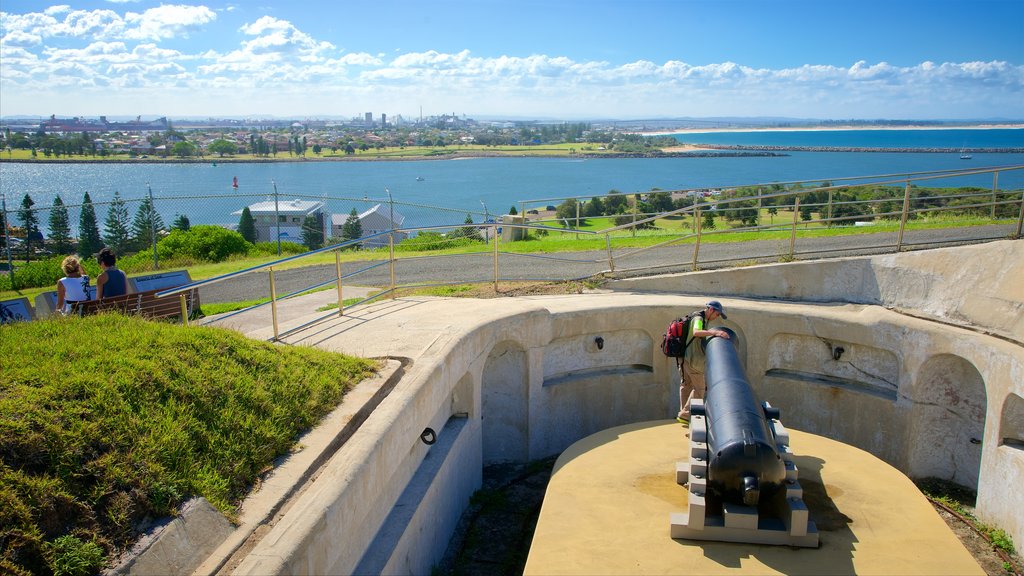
(744,463)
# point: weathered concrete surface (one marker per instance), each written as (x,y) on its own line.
(607,508)
(180,545)
(979,284)
(523,378)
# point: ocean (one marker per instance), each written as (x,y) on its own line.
(921,139)
(438,192)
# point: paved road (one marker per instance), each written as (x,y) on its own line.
(572,265)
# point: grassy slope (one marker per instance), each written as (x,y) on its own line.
(107,420)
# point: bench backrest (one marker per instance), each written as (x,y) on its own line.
(141,303)
(15,310)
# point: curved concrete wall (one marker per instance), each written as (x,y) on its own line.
(521,379)
(978,285)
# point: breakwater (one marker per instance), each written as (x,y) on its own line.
(788,148)
(726,152)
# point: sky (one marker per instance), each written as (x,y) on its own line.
(551,59)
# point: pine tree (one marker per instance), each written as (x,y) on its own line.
(247,226)
(312,233)
(30,222)
(147,223)
(89,241)
(115,227)
(470,232)
(181,223)
(709,220)
(353,228)
(512,211)
(60,227)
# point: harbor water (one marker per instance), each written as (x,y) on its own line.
(476,186)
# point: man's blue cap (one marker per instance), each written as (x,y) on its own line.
(717,307)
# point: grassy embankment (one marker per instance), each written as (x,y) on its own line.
(106,421)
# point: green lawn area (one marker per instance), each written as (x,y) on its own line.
(107,420)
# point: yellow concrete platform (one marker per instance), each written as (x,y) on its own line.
(607,507)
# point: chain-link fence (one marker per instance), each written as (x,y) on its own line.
(405,244)
(133,224)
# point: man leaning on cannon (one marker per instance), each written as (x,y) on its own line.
(691,364)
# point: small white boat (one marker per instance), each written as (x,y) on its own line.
(419,178)
(964,155)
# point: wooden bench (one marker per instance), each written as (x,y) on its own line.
(144,304)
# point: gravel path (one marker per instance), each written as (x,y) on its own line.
(574,265)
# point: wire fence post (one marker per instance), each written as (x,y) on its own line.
(273,301)
(635,203)
(1020,220)
(577,219)
(792,233)
(184,310)
(7,237)
(995,186)
(337,265)
(494,231)
(760,204)
(903,216)
(696,245)
(152,226)
(391,242)
(608,245)
(391,265)
(277,217)
(830,208)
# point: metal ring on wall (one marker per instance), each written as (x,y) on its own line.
(428,436)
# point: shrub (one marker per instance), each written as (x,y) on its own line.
(203,242)
(43,273)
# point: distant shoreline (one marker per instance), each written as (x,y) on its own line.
(825,129)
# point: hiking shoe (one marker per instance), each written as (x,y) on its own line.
(683,420)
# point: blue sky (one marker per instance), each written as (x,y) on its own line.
(564,59)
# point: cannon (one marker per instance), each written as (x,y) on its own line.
(744,464)
(740,475)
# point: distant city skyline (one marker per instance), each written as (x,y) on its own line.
(908,59)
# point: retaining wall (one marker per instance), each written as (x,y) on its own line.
(521,379)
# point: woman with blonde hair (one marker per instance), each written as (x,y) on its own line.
(74,286)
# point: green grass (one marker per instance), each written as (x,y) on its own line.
(346,303)
(108,420)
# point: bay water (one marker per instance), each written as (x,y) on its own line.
(437,192)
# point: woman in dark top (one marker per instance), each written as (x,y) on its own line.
(111,282)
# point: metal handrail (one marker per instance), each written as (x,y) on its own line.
(258,267)
(899,177)
(721,205)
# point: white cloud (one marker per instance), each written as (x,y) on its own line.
(44,52)
(20,38)
(167,21)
